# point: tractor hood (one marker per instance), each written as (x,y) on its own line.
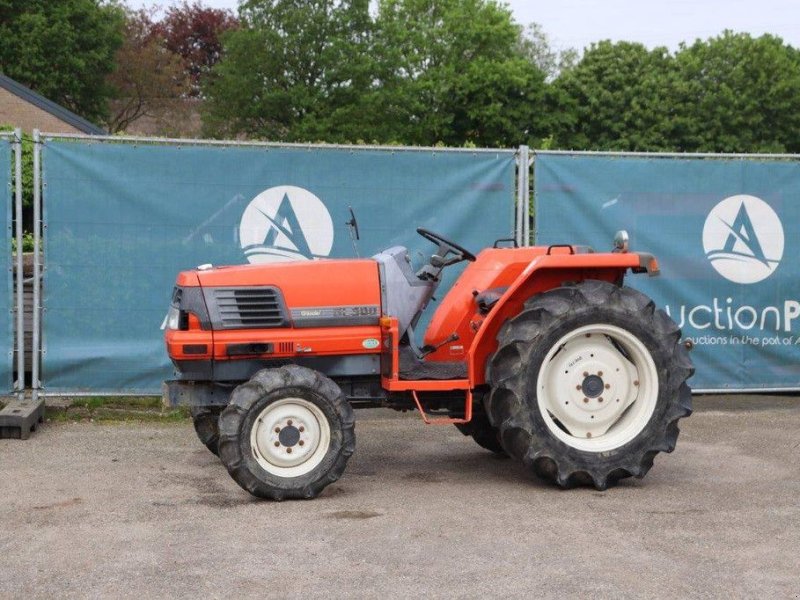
(313,293)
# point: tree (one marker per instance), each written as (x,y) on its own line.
(420,72)
(618,97)
(736,93)
(288,69)
(535,45)
(450,72)
(148,79)
(63,50)
(194,32)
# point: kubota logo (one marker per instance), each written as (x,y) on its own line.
(743,239)
(285,223)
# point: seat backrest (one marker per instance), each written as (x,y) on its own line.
(403,294)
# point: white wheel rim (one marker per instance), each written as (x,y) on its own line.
(290,437)
(600,383)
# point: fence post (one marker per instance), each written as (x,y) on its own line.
(19,384)
(525,171)
(520,210)
(36,354)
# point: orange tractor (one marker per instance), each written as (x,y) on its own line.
(540,353)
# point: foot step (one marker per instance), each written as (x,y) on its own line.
(20,418)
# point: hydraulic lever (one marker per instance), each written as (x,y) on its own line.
(428,349)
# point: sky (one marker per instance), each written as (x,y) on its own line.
(577,23)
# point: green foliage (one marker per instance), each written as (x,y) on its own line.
(27,243)
(534,44)
(450,72)
(27,167)
(615,98)
(295,71)
(62,50)
(419,72)
(731,93)
(736,93)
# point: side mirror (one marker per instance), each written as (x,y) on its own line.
(353,224)
(621,241)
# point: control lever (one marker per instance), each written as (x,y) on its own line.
(428,349)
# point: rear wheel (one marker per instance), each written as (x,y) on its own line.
(481,430)
(588,384)
(287,433)
(206,425)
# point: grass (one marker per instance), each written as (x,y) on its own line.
(119,402)
(117,409)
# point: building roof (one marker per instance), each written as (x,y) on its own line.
(49,106)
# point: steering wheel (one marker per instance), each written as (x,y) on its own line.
(446,245)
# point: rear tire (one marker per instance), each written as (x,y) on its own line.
(481,430)
(588,384)
(206,425)
(287,433)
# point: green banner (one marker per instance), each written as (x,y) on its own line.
(123,218)
(6,285)
(722,229)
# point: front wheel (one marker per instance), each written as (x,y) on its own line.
(206,425)
(287,433)
(588,384)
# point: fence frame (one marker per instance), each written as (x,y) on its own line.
(523,197)
(36,350)
(679,155)
(14,140)
(19,384)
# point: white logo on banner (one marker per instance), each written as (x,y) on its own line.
(285,223)
(743,239)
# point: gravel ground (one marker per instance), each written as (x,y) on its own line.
(142,510)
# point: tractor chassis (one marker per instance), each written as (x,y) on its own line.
(450,406)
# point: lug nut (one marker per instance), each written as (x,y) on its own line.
(599,373)
(577,387)
(289,422)
(585,399)
(600,399)
(277,430)
(288,451)
(301,429)
(277,444)
(301,442)
(608,386)
(586,373)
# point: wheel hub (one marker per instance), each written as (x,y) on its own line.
(289,436)
(592,386)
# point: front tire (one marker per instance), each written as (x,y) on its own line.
(287,433)
(206,425)
(588,384)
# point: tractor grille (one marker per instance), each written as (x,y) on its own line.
(249,308)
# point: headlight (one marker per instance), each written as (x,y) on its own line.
(173,318)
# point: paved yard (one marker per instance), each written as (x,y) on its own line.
(143,510)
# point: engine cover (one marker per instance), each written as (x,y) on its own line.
(320,293)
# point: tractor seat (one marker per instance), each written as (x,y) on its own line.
(488,298)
